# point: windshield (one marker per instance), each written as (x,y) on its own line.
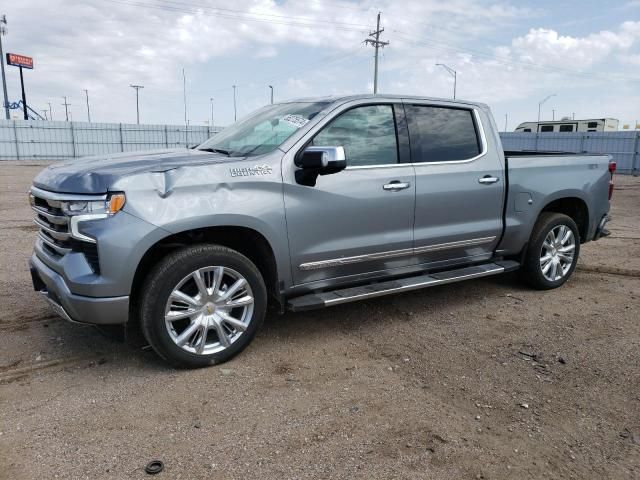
(263,131)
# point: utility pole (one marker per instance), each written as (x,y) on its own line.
(506,118)
(376,44)
(453,73)
(137,88)
(271,87)
(235,111)
(184,98)
(45,113)
(50,112)
(3,31)
(66,108)
(553,115)
(573,116)
(541,102)
(86,92)
(211,99)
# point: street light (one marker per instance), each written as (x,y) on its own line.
(271,87)
(235,111)
(453,73)
(86,92)
(137,88)
(211,100)
(542,102)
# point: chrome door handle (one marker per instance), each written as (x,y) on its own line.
(395,186)
(488,179)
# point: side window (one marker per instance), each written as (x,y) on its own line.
(566,128)
(592,125)
(546,128)
(527,129)
(368,135)
(440,134)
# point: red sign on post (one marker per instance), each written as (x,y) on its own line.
(19,60)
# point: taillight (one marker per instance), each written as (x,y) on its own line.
(612,169)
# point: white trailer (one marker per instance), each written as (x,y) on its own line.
(570,125)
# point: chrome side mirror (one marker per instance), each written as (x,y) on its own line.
(314,161)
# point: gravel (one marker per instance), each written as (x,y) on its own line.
(427,385)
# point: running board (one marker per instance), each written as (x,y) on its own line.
(345,295)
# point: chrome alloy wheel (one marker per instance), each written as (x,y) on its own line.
(557,253)
(208,310)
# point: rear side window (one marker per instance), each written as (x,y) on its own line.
(546,128)
(368,135)
(441,134)
(592,125)
(527,129)
(566,128)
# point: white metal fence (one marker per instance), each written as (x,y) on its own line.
(623,146)
(44,140)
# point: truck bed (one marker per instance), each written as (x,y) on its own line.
(535,179)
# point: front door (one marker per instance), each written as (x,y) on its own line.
(459,185)
(359,220)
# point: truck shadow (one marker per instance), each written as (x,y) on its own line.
(53,338)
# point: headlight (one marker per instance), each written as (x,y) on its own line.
(81,210)
(110,206)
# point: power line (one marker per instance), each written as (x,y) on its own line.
(257,14)
(377,44)
(310,23)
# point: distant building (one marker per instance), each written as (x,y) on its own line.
(569,125)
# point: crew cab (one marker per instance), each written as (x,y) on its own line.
(305,204)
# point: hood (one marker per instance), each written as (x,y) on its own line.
(94,175)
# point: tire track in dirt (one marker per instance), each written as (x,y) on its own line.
(623,272)
(13,373)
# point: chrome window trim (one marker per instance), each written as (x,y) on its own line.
(336,262)
(480,131)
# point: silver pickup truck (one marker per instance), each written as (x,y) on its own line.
(305,204)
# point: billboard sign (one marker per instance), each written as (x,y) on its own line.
(19,60)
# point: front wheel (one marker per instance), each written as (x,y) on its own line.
(202,305)
(553,251)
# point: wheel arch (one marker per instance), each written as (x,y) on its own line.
(574,207)
(247,241)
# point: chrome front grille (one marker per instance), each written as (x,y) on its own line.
(55,227)
(53,223)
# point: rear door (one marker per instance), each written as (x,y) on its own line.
(360,220)
(459,184)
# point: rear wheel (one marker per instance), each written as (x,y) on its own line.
(553,251)
(202,305)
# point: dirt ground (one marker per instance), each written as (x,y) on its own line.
(483,379)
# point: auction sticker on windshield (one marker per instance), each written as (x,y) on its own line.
(295,120)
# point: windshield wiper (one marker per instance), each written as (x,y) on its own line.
(216,150)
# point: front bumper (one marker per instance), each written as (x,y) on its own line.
(72,307)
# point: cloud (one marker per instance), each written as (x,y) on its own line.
(548,47)
(312,47)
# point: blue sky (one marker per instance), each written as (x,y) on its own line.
(509,54)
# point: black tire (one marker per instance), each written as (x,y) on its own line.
(167,274)
(531,271)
